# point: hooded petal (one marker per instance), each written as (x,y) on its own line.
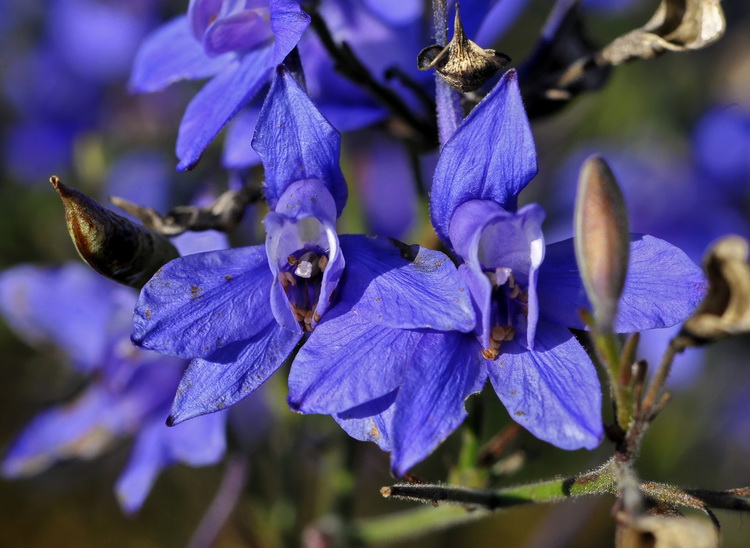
(304,219)
(490,157)
(218,102)
(553,391)
(489,238)
(346,362)
(171,54)
(288,23)
(295,142)
(662,288)
(196,304)
(400,286)
(244,30)
(445,370)
(231,373)
(71,307)
(371,421)
(199,442)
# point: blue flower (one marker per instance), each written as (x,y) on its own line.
(405,388)
(241,312)
(88,317)
(236,44)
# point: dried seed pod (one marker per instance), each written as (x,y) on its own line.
(462,64)
(725,310)
(111,244)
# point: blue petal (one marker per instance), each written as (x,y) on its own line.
(384,170)
(232,373)
(662,288)
(218,101)
(238,152)
(199,442)
(82,429)
(491,156)
(197,304)
(400,286)
(371,421)
(396,12)
(346,362)
(289,23)
(72,307)
(171,54)
(295,142)
(444,371)
(553,391)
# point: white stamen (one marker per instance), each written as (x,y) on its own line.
(304,269)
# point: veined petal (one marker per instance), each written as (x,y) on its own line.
(445,370)
(371,421)
(399,286)
(218,101)
(552,391)
(171,54)
(295,142)
(197,304)
(662,288)
(490,157)
(231,373)
(289,22)
(346,362)
(199,442)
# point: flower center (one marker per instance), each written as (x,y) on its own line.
(510,305)
(301,279)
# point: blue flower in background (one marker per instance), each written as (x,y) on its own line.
(405,388)
(88,318)
(235,44)
(241,312)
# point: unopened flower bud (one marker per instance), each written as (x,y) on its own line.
(725,310)
(110,243)
(462,64)
(602,239)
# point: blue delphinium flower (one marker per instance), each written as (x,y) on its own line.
(236,44)
(525,296)
(241,312)
(89,318)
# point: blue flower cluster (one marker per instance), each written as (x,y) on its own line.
(388,338)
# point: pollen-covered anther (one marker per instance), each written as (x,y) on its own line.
(299,313)
(309,317)
(292,260)
(322,263)
(515,291)
(287,279)
(308,265)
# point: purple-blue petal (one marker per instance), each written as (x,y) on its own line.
(490,157)
(371,421)
(348,361)
(295,142)
(199,442)
(553,391)
(396,12)
(196,304)
(288,22)
(170,54)
(444,371)
(399,286)
(232,373)
(663,286)
(218,101)
(238,151)
(244,30)
(72,307)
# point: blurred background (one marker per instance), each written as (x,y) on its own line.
(676,131)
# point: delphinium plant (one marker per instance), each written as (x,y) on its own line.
(320,310)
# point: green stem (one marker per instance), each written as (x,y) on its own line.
(608,350)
